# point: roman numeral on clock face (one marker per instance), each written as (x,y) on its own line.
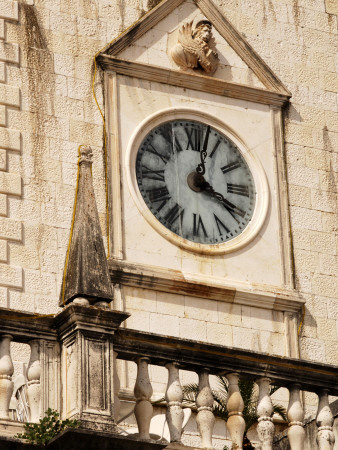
(152,149)
(221,225)
(194,136)
(159,194)
(239,189)
(169,135)
(152,174)
(174,213)
(233,209)
(215,148)
(198,226)
(231,166)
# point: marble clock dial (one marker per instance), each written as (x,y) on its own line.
(207,198)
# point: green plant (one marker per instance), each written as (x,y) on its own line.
(47,428)
(248,393)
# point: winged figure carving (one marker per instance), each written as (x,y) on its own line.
(192,50)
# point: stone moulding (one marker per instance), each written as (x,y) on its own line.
(174,281)
(193,81)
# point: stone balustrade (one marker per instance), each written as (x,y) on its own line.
(81,344)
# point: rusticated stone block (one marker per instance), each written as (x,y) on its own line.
(9,95)
(10,183)
(11,276)
(9,52)
(9,10)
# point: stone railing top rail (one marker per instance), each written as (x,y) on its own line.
(160,349)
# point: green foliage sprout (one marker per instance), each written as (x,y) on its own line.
(47,428)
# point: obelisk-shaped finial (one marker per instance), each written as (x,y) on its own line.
(86,277)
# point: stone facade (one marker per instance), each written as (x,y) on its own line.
(47,110)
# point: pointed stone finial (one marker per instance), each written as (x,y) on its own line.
(86,277)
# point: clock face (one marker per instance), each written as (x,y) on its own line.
(195,181)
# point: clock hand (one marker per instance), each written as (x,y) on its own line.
(230,207)
(203,154)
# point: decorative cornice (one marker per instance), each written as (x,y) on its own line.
(174,281)
(192,81)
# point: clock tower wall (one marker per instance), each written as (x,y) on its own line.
(142,102)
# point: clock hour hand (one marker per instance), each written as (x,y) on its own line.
(203,153)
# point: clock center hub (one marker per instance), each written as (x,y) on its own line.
(196,182)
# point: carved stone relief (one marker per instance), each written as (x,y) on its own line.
(193,50)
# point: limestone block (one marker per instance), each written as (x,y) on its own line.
(326,329)
(317,159)
(307,219)
(9,95)
(2,29)
(9,10)
(329,222)
(3,297)
(331,7)
(312,349)
(193,329)
(331,118)
(303,176)
(332,308)
(2,73)
(201,309)
(9,52)
(10,183)
(85,132)
(220,334)
(300,196)
(171,304)
(63,23)
(10,139)
(229,314)
(3,159)
(163,324)
(325,100)
(306,260)
(323,243)
(38,282)
(324,285)
(3,251)
(324,200)
(329,81)
(297,134)
(10,229)
(3,205)
(24,256)
(11,276)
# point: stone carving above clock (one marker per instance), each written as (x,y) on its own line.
(193,49)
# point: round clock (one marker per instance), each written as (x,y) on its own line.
(194,179)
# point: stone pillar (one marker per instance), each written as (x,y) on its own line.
(174,398)
(143,391)
(235,406)
(205,417)
(34,386)
(87,361)
(6,372)
(296,433)
(265,427)
(324,421)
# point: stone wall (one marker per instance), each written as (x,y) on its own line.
(47,109)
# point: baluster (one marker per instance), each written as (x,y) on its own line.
(205,417)
(324,421)
(235,406)
(174,398)
(143,391)
(296,432)
(33,376)
(6,372)
(265,427)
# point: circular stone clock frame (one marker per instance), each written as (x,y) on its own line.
(257,172)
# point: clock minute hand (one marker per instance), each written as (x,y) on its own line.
(203,153)
(231,208)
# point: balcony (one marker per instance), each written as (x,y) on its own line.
(72,369)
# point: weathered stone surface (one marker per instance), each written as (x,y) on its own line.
(86,269)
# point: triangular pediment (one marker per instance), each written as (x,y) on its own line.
(161,46)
